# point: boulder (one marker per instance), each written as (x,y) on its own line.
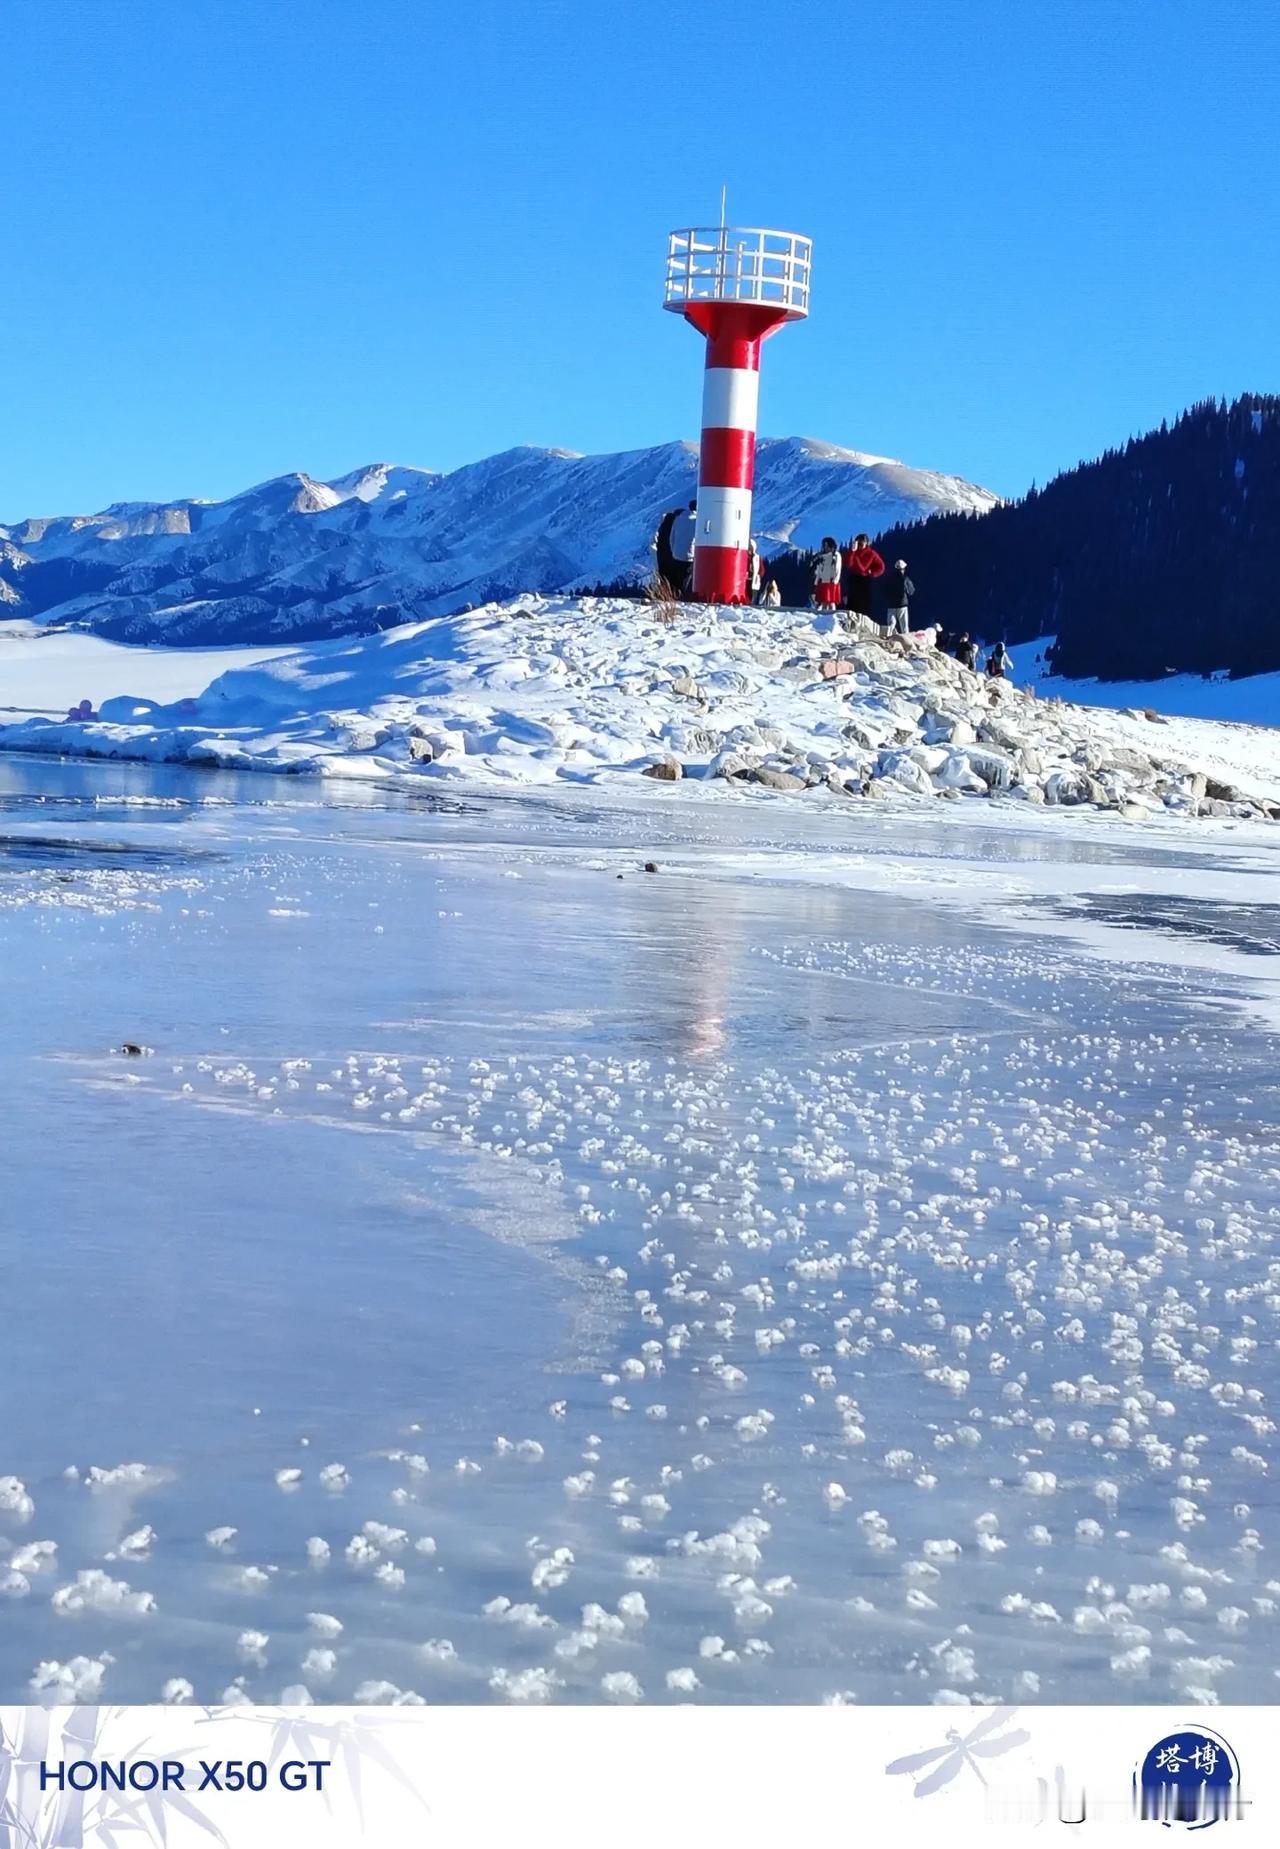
(686,686)
(667,770)
(859,733)
(958,775)
(1000,733)
(901,767)
(420,749)
(994,768)
(776,779)
(1221,792)
(1066,787)
(930,758)
(728,764)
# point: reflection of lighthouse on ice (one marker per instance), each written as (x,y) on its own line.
(736,287)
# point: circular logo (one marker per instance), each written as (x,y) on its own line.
(1189,1779)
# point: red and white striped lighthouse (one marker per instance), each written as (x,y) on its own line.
(736,287)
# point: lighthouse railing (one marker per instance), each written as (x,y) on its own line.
(732,263)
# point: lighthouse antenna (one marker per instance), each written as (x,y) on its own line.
(724,193)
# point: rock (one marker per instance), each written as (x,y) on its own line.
(420,749)
(699,741)
(776,779)
(1155,718)
(859,733)
(685,685)
(650,866)
(1221,792)
(961,733)
(1133,812)
(1029,793)
(958,775)
(1213,805)
(1133,763)
(1097,793)
(993,768)
(1067,787)
(930,758)
(667,771)
(1199,786)
(900,767)
(367,737)
(728,764)
(999,732)
(1030,761)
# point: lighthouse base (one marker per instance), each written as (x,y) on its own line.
(720,574)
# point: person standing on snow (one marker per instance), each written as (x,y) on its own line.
(681,532)
(771,596)
(861,563)
(826,576)
(967,652)
(998,663)
(901,590)
(660,546)
(755,572)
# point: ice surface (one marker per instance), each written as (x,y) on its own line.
(841,1264)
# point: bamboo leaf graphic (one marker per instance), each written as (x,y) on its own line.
(377,1749)
(182,1803)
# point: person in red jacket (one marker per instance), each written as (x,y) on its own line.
(862,563)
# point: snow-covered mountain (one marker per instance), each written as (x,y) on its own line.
(296,559)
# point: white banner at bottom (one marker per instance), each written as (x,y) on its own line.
(572,1777)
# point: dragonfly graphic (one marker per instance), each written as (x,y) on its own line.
(960,1750)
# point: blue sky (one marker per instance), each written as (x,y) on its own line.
(250,237)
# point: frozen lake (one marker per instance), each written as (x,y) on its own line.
(841,1263)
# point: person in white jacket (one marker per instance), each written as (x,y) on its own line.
(771,596)
(826,576)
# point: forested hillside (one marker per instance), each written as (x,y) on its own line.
(1160,556)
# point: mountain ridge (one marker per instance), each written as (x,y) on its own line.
(296,558)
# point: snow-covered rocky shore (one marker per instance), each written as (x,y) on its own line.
(543,689)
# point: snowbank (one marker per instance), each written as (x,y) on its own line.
(1254,700)
(42,673)
(541,689)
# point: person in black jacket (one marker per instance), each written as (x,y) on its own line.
(967,652)
(899,590)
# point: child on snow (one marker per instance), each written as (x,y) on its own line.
(771,598)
